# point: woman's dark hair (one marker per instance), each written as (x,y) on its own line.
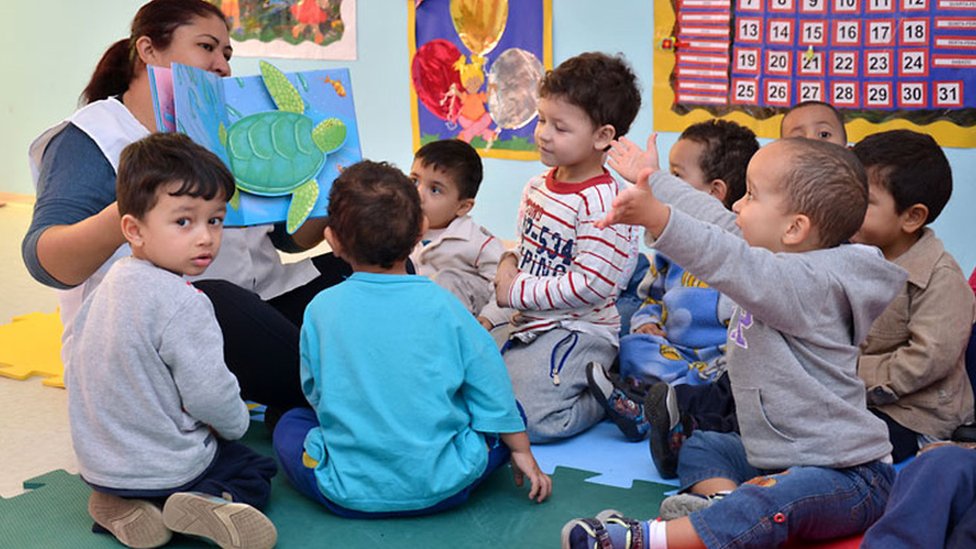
(157,20)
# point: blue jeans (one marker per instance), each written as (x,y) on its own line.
(289,445)
(770,507)
(933,503)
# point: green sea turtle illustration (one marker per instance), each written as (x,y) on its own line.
(277,153)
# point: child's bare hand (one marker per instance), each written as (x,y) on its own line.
(485,323)
(504,277)
(651,328)
(627,158)
(637,205)
(524,465)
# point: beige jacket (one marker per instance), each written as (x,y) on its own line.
(913,361)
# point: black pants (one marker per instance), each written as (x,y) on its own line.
(904,441)
(261,337)
(236,470)
(711,406)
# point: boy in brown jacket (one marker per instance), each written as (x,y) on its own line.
(912,362)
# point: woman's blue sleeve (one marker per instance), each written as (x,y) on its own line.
(76,181)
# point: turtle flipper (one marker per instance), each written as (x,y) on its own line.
(302,202)
(235,200)
(329,135)
(283,93)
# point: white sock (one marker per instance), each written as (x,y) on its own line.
(657,534)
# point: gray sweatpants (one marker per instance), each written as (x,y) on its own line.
(556,411)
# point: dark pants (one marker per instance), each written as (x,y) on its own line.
(711,406)
(932,504)
(289,445)
(236,470)
(261,337)
(904,441)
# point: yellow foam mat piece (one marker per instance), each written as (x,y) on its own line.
(31,346)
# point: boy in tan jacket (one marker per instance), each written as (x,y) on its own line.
(912,362)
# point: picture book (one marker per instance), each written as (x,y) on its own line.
(285,137)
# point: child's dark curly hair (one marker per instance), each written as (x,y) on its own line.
(374,212)
(604,86)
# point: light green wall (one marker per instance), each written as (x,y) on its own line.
(49,49)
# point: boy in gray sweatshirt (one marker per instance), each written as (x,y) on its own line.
(811,461)
(152,406)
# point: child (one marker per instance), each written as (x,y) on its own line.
(679,332)
(818,460)
(932,503)
(913,360)
(814,120)
(152,406)
(566,273)
(455,252)
(409,393)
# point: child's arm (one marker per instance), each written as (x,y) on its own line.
(524,465)
(649,318)
(939,326)
(192,346)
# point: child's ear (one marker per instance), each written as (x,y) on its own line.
(463,208)
(132,230)
(719,189)
(914,218)
(604,135)
(330,237)
(799,231)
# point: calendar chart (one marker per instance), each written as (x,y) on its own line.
(893,63)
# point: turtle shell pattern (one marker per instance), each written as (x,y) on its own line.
(272,153)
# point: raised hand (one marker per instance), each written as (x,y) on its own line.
(637,205)
(627,158)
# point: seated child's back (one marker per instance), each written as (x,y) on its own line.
(409,392)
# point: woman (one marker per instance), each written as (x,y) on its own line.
(75,235)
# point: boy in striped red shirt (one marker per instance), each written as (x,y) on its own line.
(565,275)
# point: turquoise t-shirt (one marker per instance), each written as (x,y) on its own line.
(403,380)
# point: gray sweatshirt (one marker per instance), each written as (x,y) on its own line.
(146,381)
(793,339)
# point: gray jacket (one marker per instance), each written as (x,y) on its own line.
(793,340)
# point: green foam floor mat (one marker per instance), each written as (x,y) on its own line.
(53,514)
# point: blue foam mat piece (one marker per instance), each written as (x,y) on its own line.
(604,451)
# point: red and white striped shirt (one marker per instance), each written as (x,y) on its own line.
(570,272)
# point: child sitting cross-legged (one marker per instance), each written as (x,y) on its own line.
(812,462)
(411,405)
(913,362)
(566,274)
(152,406)
(678,334)
(455,252)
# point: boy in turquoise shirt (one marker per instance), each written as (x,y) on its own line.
(412,407)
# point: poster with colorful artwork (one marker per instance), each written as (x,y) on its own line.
(284,136)
(475,66)
(885,64)
(297,29)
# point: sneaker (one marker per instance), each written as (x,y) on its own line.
(608,530)
(625,412)
(668,429)
(224,523)
(134,522)
(682,505)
